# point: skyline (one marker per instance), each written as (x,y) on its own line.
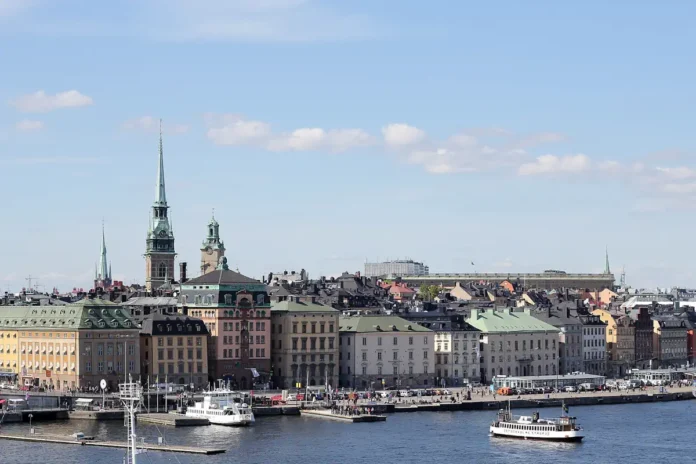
(520,138)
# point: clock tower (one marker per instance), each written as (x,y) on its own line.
(159,244)
(213,248)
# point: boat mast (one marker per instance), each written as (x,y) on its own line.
(130,394)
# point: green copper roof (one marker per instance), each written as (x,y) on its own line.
(363,324)
(92,314)
(301,306)
(507,320)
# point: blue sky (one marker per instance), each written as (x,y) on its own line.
(521,136)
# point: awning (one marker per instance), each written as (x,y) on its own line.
(84,400)
(2,401)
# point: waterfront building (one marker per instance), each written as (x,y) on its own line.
(102,272)
(396,268)
(384,351)
(553,381)
(304,341)
(594,344)
(514,343)
(159,244)
(669,341)
(237,312)
(566,320)
(544,280)
(620,341)
(456,342)
(213,247)
(70,346)
(644,336)
(174,348)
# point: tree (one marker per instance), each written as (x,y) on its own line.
(429,292)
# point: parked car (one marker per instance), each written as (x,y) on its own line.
(570,389)
(587,387)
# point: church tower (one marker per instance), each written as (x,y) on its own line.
(213,248)
(102,273)
(159,245)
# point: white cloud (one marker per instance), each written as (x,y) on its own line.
(399,135)
(151,125)
(235,130)
(552,164)
(680,189)
(40,102)
(609,166)
(679,173)
(29,125)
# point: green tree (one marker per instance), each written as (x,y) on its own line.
(429,292)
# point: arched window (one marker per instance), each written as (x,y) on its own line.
(162,270)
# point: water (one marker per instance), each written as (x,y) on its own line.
(631,433)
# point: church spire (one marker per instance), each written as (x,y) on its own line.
(607,270)
(160,194)
(103,266)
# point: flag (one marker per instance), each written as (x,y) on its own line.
(254,372)
(565,408)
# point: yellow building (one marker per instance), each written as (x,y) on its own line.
(620,341)
(66,347)
(9,355)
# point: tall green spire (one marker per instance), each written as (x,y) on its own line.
(160,194)
(607,270)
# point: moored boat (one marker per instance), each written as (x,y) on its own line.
(223,407)
(564,428)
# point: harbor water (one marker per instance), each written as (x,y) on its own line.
(632,433)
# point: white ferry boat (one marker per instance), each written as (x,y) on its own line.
(223,407)
(563,428)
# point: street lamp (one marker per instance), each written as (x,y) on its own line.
(31,429)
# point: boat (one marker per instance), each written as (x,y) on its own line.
(222,407)
(693,391)
(563,428)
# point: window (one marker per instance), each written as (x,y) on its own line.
(364,370)
(410,355)
(88,366)
(322,327)
(294,344)
(396,340)
(304,344)
(364,356)
(321,343)
(396,370)
(379,370)
(331,327)
(410,341)
(379,356)
(425,354)
(425,340)
(304,327)
(313,342)
(331,343)
(396,356)
(100,351)
(364,341)
(379,341)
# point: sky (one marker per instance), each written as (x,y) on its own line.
(518,136)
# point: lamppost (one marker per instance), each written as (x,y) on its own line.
(31,429)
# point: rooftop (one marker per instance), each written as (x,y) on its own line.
(507,320)
(364,324)
(294,305)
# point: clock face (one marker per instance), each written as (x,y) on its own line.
(162,233)
(209,250)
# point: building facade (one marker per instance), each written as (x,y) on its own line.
(304,342)
(159,244)
(514,343)
(456,341)
(174,349)
(644,337)
(396,268)
(669,341)
(384,351)
(570,336)
(213,248)
(594,345)
(236,310)
(70,346)
(621,342)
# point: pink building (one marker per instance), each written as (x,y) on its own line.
(236,310)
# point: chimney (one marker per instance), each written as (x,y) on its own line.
(567,312)
(548,311)
(182,272)
(676,306)
(357,274)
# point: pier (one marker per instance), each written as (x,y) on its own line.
(327,414)
(174,420)
(111,444)
(99,415)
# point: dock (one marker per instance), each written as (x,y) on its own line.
(111,444)
(260,411)
(327,414)
(174,420)
(100,415)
